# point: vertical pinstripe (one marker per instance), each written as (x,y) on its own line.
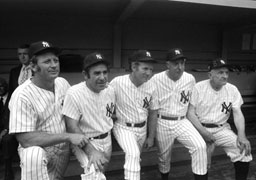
(173,99)
(36,109)
(94,112)
(208,106)
(129,109)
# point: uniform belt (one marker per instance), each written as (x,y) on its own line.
(102,136)
(210,125)
(171,118)
(136,124)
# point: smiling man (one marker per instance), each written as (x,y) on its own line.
(211,104)
(36,119)
(135,104)
(174,87)
(88,109)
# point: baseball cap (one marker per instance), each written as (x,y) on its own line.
(141,56)
(175,54)
(218,63)
(42,46)
(93,59)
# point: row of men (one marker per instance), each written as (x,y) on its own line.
(47,115)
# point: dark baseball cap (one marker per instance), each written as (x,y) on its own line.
(40,47)
(175,54)
(218,63)
(93,59)
(142,56)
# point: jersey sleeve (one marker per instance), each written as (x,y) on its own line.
(154,105)
(23,117)
(194,96)
(237,98)
(70,106)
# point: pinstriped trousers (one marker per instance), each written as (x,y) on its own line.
(47,163)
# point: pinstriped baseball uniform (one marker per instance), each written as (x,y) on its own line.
(173,99)
(94,112)
(215,107)
(37,109)
(132,104)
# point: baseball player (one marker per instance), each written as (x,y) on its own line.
(135,103)
(36,120)
(88,108)
(211,104)
(174,87)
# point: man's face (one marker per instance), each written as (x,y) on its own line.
(142,71)
(23,56)
(219,76)
(98,78)
(47,66)
(176,68)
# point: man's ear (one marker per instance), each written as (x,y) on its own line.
(34,67)
(167,64)
(85,74)
(133,66)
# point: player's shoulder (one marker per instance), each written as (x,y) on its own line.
(159,75)
(188,75)
(116,81)
(120,77)
(62,81)
(230,86)
(109,90)
(24,90)
(203,83)
(76,87)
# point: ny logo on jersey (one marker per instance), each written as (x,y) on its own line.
(226,108)
(110,109)
(45,44)
(98,56)
(146,102)
(184,98)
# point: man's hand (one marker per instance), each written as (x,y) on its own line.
(78,139)
(149,143)
(95,157)
(208,137)
(244,145)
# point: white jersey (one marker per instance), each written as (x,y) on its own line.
(173,96)
(92,110)
(215,106)
(35,109)
(132,103)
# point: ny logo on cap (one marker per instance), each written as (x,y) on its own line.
(148,54)
(177,51)
(45,44)
(222,61)
(98,56)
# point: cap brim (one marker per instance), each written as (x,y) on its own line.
(55,50)
(177,58)
(222,66)
(147,60)
(98,62)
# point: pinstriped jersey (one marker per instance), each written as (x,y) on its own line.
(215,106)
(35,109)
(173,96)
(92,110)
(132,103)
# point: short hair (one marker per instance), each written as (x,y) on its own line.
(4,83)
(24,46)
